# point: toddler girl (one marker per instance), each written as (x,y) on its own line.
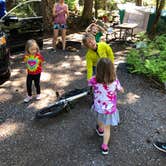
(105,86)
(33,60)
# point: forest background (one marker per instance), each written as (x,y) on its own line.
(82,11)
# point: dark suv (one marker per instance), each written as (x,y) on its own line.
(4,59)
(21,23)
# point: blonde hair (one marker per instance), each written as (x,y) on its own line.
(86,37)
(105,71)
(29,44)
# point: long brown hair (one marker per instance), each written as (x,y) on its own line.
(105,72)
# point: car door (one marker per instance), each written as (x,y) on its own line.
(22,23)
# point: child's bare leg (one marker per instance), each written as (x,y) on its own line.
(100,124)
(56,31)
(106,137)
(63,39)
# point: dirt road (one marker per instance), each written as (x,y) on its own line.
(70,139)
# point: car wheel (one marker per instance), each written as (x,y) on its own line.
(5,76)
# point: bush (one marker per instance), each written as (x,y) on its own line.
(161,26)
(149,60)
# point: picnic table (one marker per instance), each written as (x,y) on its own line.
(121,31)
(126,30)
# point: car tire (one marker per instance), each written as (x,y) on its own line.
(5,76)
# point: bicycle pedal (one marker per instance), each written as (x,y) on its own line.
(67,108)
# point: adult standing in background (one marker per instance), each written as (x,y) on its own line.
(60,14)
(2,8)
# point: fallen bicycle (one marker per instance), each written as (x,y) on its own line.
(62,104)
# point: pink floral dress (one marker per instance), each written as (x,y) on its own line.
(105,96)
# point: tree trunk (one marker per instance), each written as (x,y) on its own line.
(10,4)
(87,12)
(47,6)
(96,8)
(159,6)
(138,2)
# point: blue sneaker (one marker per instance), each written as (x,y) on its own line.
(160,146)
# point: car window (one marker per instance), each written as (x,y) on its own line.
(32,9)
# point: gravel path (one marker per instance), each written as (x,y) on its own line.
(70,139)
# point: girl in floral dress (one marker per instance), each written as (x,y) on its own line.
(105,86)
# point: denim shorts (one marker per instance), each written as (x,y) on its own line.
(60,26)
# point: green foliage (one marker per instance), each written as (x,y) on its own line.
(71,4)
(142,36)
(112,5)
(160,42)
(161,26)
(149,60)
(27,10)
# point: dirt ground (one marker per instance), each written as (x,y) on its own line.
(70,139)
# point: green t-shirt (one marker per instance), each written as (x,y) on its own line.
(98,36)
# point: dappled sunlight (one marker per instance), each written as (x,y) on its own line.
(48,48)
(65,65)
(74,57)
(75,36)
(50,66)
(47,44)
(17,56)
(18,82)
(48,96)
(71,66)
(77,58)
(2,91)
(63,80)
(78,73)
(4,96)
(132,98)
(7,129)
(6,84)
(118,52)
(48,93)
(69,71)
(47,41)
(45,77)
(15,72)
(116,63)
(73,61)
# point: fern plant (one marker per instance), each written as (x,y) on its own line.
(150,60)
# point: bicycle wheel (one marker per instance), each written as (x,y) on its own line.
(52,111)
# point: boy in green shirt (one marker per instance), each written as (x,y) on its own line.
(95,52)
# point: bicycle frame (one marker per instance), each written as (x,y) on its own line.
(62,104)
(67,100)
